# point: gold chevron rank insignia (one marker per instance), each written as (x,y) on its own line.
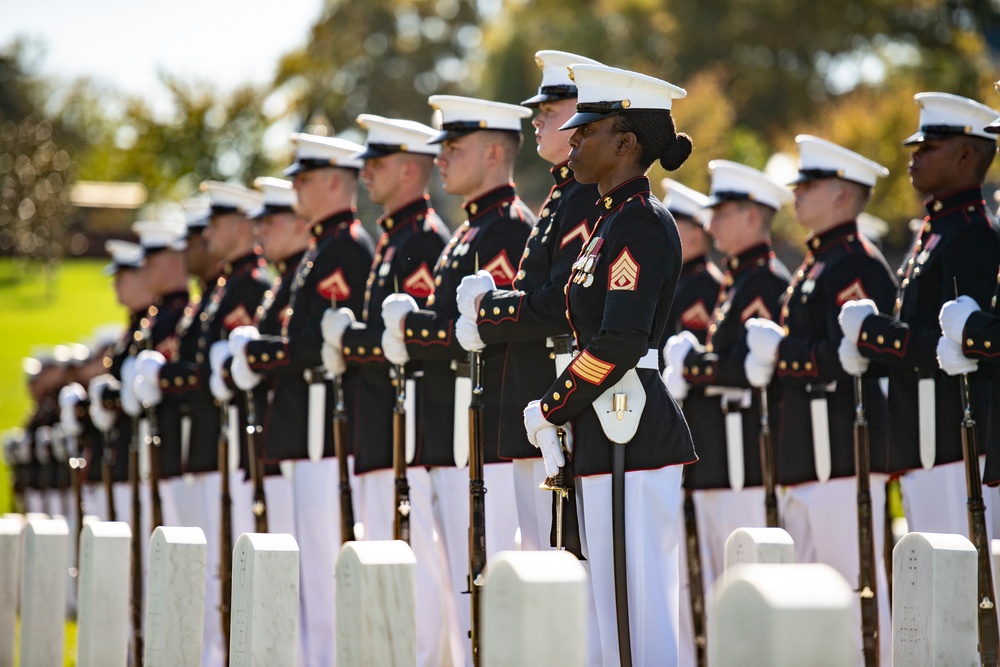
(624,272)
(591,369)
(420,283)
(501,269)
(581,231)
(334,287)
(853,291)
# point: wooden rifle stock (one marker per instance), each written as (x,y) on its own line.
(225,529)
(866,531)
(153,444)
(767,463)
(696,587)
(477,501)
(989,642)
(256,467)
(340,449)
(401,522)
(137,539)
(106,463)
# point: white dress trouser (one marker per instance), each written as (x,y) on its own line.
(651,517)
(718,512)
(280,505)
(438,639)
(534,506)
(935,500)
(823,521)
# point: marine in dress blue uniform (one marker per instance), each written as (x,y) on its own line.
(955,251)
(619,298)
(398,163)
(814,443)
(479,141)
(530,317)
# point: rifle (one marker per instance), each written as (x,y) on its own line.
(107,461)
(256,467)
(136,571)
(989,642)
(477,500)
(696,588)
(226,527)
(340,451)
(866,542)
(767,463)
(401,524)
(560,484)
(153,444)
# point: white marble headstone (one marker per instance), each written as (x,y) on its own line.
(788,615)
(265,608)
(10,580)
(43,592)
(103,618)
(376,604)
(175,597)
(534,610)
(934,606)
(759,545)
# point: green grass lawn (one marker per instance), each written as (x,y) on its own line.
(37,311)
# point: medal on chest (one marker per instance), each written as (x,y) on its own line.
(809,284)
(587,263)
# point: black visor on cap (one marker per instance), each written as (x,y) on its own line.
(589,112)
(456,129)
(269,209)
(379,150)
(806,175)
(550,94)
(936,132)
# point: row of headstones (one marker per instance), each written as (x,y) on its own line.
(767,610)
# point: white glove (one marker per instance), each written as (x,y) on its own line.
(545,436)
(673,378)
(468,334)
(218,354)
(954,315)
(239,337)
(333,359)
(243,376)
(395,308)
(852,315)
(951,360)
(394,348)
(758,372)
(763,338)
(147,377)
(470,289)
(851,359)
(102,418)
(334,324)
(130,402)
(69,396)
(678,347)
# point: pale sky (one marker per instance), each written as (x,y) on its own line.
(124,43)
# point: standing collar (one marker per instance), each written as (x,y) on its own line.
(487,201)
(758,255)
(328,224)
(845,230)
(562,174)
(937,206)
(249,261)
(622,193)
(396,219)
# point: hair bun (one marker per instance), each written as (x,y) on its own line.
(676,152)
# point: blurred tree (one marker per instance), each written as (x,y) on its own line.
(379,56)
(208,135)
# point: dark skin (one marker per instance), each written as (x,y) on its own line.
(600,155)
(940,166)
